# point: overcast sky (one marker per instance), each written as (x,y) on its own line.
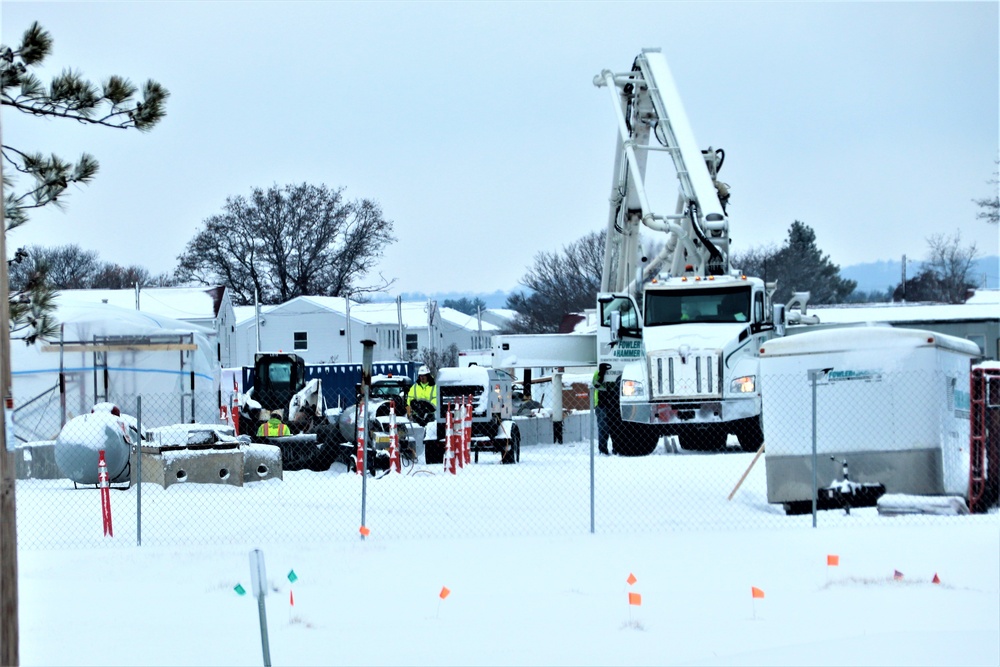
(478,129)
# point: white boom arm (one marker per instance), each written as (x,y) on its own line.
(646,100)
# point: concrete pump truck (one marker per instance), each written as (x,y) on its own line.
(682,330)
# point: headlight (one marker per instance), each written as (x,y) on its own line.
(743,385)
(633,389)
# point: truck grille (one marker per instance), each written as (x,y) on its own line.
(675,377)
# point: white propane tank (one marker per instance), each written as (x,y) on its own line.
(80,441)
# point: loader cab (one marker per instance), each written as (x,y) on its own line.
(277,377)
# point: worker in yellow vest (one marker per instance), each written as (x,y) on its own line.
(423,390)
(273,427)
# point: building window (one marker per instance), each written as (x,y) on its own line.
(301,340)
(411,342)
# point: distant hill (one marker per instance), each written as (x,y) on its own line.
(889,273)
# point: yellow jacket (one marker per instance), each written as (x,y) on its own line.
(422,392)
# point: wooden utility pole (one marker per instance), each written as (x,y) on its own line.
(8,514)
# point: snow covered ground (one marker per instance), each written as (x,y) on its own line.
(529,584)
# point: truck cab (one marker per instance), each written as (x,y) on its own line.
(690,367)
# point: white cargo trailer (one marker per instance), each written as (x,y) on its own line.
(893,403)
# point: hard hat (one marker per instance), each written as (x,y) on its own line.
(423,370)
(276,414)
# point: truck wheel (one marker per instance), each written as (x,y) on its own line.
(750,434)
(513,453)
(636,440)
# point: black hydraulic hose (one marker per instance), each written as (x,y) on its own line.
(715,263)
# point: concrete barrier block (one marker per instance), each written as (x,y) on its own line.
(37,460)
(189,466)
(261,462)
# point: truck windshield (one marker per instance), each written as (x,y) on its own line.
(697,305)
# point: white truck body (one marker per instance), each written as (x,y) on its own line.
(892,402)
(693,374)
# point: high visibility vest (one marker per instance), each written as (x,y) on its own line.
(422,392)
(273,428)
(601,388)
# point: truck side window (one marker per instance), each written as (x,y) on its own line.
(758,307)
(623,306)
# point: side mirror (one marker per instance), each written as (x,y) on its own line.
(779,319)
(616,326)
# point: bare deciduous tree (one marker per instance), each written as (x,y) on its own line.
(990,205)
(560,283)
(287,242)
(951,264)
(72,267)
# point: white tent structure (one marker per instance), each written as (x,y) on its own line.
(107,353)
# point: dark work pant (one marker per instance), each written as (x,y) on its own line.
(601,414)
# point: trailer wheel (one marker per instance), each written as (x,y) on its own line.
(513,453)
(434,452)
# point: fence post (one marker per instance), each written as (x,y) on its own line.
(138,472)
(814,376)
(593,416)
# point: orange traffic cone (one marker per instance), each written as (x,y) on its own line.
(467,432)
(450,440)
(393,440)
(360,464)
(104,484)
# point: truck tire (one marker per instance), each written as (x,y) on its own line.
(749,433)
(636,440)
(513,453)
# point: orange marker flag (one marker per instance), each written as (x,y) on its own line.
(756,592)
(291,599)
(635,599)
(364,531)
(631,579)
(833,560)
(936,579)
(445,592)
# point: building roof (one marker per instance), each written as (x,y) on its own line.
(414,313)
(983,306)
(179,303)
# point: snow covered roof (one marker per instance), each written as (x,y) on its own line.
(414,313)
(179,303)
(105,319)
(982,309)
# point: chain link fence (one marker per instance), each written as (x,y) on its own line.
(869,450)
